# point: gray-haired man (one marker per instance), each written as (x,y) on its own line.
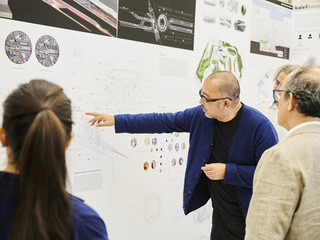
(286,186)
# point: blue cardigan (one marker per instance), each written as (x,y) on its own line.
(255,134)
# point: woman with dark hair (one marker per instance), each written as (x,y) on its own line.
(34,203)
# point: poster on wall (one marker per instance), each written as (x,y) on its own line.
(162,22)
(112,75)
(219,56)
(222,41)
(306,34)
(271,28)
(92,16)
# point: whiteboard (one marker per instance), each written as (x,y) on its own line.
(113,76)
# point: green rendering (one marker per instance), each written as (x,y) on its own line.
(218,56)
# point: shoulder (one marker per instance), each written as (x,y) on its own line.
(253,115)
(88,224)
(195,110)
(83,210)
(194,113)
(282,154)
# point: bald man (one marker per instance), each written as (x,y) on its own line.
(227,139)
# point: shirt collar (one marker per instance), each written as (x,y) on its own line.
(300,126)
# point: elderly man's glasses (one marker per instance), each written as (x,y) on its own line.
(213,99)
(276,94)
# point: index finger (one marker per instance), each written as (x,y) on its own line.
(92,113)
(205,167)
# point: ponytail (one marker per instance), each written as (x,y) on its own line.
(43,210)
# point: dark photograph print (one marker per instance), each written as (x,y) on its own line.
(98,16)
(162,22)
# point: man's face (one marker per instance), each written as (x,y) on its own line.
(283,105)
(210,90)
(279,79)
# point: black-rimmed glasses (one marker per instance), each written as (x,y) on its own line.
(276,94)
(213,99)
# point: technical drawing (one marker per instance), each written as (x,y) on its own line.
(208,17)
(210,2)
(156,21)
(47,51)
(264,85)
(217,56)
(264,41)
(59,5)
(239,25)
(101,10)
(221,3)
(18,47)
(93,16)
(232,6)
(225,21)
(152,208)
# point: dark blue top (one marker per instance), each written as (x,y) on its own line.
(87,224)
(254,134)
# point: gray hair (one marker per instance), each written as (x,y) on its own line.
(305,87)
(287,68)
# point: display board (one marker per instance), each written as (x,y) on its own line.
(134,182)
(306,34)
(135,57)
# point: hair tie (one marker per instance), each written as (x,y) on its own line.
(42,108)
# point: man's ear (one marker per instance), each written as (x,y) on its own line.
(69,141)
(292,102)
(3,137)
(226,103)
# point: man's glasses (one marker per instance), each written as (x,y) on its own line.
(276,94)
(212,100)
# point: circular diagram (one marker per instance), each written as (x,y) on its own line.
(47,51)
(163,23)
(18,47)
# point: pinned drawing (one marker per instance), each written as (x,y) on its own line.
(218,56)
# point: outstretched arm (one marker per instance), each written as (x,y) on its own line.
(101,120)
